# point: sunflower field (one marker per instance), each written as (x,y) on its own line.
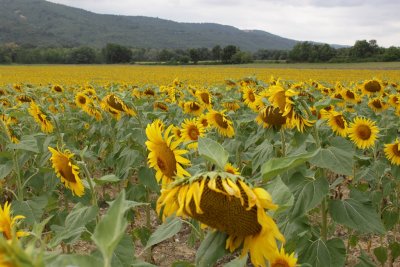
(256,171)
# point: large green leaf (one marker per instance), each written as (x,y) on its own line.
(211,249)
(32,209)
(280,193)
(27,143)
(146,176)
(213,152)
(5,169)
(335,159)
(110,230)
(73,261)
(276,166)
(238,262)
(124,254)
(357,215)
(325,254)
(308,192)
(166,230)
(261,154)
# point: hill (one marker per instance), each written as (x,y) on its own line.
(42,23)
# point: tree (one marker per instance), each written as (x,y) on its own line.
(228,52)
(83,55)
(115,53)
(216,52)
(241,57)
(194,55)
(364,49)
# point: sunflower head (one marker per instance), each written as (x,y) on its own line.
(372,87)
(338,123)
(67,171)
(283,259)
(194,108)
(392,152)
(225,202)
(165,156)
(192,129)
(8,222)
(363,132)
(57,88)
(270,116)
(41,118)
(220,121)
(377,104)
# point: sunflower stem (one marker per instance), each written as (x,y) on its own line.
(324,223)
(20,189)
(283,141)
(149,255)
(90,182)
(58,130)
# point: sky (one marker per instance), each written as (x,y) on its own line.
(327,21)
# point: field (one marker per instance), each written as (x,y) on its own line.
(253,165)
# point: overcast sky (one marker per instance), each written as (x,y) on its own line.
(329,21)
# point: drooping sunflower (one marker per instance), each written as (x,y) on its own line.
(295,119)
(372,87)
(218,120)
(7,222)
(270,116)
(338,123)
(279,97)
(377,104)
(7,122)
(283,259)
(225,202)
(204,97)
(231,105)
(161,106)
(67,171)
(193,108)
(57,88)
(192,129)
(113,104)
(363,132)
(45,124)
(165,156)
(24,99)
(392,152)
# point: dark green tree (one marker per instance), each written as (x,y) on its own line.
(115,53)
(83,55)
(227,53)
(194,54)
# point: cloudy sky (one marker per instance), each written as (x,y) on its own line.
(330,21)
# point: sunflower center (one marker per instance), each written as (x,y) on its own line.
(364,132)
(396,150)
(251,96)
(65,169)
(273,116)
(204,122)
(57,89)
(350,94)
(205,98)
(221,121)
(377,104)
(149,92)
(115,103)
(82,100)
(372,86)
(193,133)
(166,160)
(339,121)
(226,213)
(194,106)
(280,263)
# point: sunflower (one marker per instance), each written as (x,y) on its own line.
(282,259)
(7,222)
(177,133)
(271,117)
(203,120)
(204,97)
(394,100)
(192,129)
(88,106)
(338,123)
(221,123)
(231,105)
(350,96)
(392,152)
(193,108)
(294,119)
(41,118)
(161,106)
(231,169)
(57,88)
(279,97)
(82,100)
(377,105)
(225,202)
(148,92)
(6,122)
(372,86)
(5,102)
(113,104)
(363,132)
(250,98)
(164,156)
(24,99)
(67,171)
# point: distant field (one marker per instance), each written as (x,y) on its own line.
(197,75)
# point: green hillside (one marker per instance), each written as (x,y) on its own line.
(42,23)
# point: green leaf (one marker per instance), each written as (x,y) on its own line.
(357,215)
(365,261)
(32,209)
(109,178)
(110,230)
(276,166)
(335,159)
(394,250)
(308,192)
(124,253)
(182,264)
(146,176)
(325,254)
(213,152)
(5,169)
(166,230)
(211,249)
(381,254)
(390,217)
(73,260)
(27,143)
(238,262)
(262,153)
(280,193)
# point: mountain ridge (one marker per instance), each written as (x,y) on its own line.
(43,23)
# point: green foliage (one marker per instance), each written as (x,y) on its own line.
(211,249)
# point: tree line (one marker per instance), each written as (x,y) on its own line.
(362,50)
